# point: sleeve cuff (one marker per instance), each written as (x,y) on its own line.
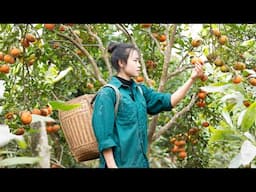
(167,102)
(108,143)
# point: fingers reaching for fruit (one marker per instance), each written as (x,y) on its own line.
(197,71)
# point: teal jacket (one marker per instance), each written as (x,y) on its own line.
(126,133)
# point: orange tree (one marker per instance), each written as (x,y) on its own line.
(46,62)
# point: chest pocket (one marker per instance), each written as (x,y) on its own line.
(127,112)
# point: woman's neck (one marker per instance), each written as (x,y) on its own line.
(123,76)
(125,81)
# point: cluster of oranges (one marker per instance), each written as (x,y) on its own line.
(179,142)
(52,127)
(222,39)
(15,52)
(9,59)
(201,95)
(26,117)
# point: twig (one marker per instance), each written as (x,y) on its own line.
(175,117)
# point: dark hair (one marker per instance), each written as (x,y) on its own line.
(120,52)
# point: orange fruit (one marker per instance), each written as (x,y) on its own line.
(26,117)
(4,68)
(175,149)
(30,38)
(55,128)
(55,45)
(201,95)
(44,112)
(216,32)
(201,103)
(224,68)
(62,28)
(20,131)
(36,111)
(49,26)
(9,115)
(204,77)
(49,129)
(24,43)
(205,124)
(239,66)
(139,79)
(196,42)
(146,25)
(181,149)
(180,142)
(246,103)
(237,79)
(15,52)
(218,62)
(9,59)
(48,123)
(79,52)
(89,85)
(223,39)
(182,154)
(193,130)
(162,38)
(150,64)
(252,81)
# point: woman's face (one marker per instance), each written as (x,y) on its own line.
(133,66)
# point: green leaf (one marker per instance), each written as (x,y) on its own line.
(227,118)
(220,135)
(249,117)
(62,74)
(19,160)
(60,105)
(217,88)
(22,144)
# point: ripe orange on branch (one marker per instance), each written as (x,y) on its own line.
(15,52)
(196,42)
(145,25)
(26,117)
(49,26)
(4,68)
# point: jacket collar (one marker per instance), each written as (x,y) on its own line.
(115,81)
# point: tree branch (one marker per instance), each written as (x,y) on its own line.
(102,48)
(175,117)
(91,59)
(167,56)
(179,70)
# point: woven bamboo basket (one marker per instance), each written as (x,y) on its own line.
(78,131)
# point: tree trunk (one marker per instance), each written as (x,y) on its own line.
(39,143)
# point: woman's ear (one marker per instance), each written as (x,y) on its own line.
(120,63)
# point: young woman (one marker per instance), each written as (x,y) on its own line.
(122,138)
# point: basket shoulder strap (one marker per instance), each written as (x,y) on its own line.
(118,96)
(140,90)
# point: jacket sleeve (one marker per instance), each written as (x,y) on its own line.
(103,118)
(156,101)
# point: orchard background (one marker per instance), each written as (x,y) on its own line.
(46,64)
